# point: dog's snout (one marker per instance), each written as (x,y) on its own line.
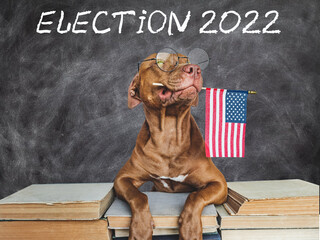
(192,69)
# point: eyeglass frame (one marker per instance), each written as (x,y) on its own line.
(150,59)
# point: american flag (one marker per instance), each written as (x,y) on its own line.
(226,114)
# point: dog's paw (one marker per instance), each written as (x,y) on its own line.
(141,226)
(190,227)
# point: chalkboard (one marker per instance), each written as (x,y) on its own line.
(63,87)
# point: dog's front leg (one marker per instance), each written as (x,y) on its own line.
(190,226)
(141,222)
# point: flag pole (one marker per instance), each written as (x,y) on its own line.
(204,88)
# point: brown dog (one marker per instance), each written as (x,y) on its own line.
(170,150)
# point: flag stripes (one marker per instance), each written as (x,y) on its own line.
(225,138)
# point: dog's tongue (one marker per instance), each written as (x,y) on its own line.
(165,94)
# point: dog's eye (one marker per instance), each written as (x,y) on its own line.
(160,63)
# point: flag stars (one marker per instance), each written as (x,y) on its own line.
(236,107)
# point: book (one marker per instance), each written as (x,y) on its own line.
(72,201)
(55,229)
(209,236)
(161,231)
(227,221)
(274,197)
(165,209)
(274,234)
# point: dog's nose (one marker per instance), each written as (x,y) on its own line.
(192,69)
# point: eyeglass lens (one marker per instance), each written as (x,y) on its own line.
(167,59)
(200,57)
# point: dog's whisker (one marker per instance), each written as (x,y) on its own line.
(204,88)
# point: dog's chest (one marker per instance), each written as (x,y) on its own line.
(166,179)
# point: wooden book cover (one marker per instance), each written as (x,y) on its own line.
(71,201)
(273,197)
(55,230)
(227,221)
(165,209)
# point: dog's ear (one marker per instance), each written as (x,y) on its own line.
(195,101)
(133,98)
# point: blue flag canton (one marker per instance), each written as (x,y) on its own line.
(236,106)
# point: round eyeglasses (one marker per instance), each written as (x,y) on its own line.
(168,59)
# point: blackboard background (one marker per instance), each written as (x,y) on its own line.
(63,98)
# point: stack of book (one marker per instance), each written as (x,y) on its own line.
(57,211)
(256,210)
(165,209)
(276,209)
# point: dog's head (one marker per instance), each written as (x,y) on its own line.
(180,86)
